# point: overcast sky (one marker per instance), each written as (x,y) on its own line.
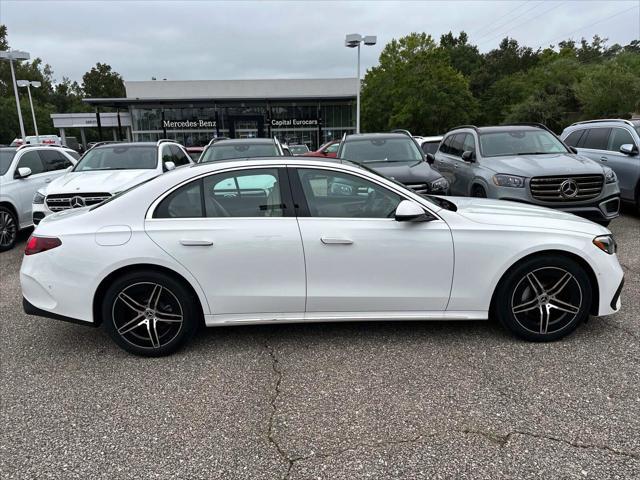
(263,39)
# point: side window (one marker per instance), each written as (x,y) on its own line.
(167,154)
(54,160)
(179,156)
(430,147)
(244,193)
(456,145)
(596,138)
(184,202)
(31,160)
(468,143)
(332,148)
(446,145)
(573,138)
(619,137)
(332,194)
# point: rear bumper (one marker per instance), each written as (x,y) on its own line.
(31,309)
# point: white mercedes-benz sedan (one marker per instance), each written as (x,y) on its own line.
(302,240)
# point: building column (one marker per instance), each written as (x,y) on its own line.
(99,123)
(84,138)
(63,137)
(115,135)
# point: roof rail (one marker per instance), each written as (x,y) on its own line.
(528,124)
(401,130)
(464,126)
(602,120)
(165,140)
(30,145)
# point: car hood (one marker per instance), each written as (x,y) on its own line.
(405,172)
(502,212)
(543,165)
(110,181)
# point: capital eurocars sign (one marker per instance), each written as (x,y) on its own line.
(294,122)
(189,124)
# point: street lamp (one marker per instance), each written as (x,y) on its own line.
(12,55)
(353,40)
(28,84)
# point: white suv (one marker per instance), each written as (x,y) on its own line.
(23,171)
(105,170)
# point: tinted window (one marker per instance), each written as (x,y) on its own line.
(6,157)
(596,138)
(54,160)
(244,193)
(119,157)
(74,155)
(185,202)
(332,148)
(430,147)
(519,142)
(573,138)
(222,151)
(619,137)
(31,160)
(456,145)
(468,143)
(398,149)
(167,154)
(339,195)
(179,156)
(445,147)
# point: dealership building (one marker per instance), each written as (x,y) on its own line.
(310,111)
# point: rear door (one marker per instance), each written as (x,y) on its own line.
(593,144)
(627,167)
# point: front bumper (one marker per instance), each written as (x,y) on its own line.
(38,212)
(598,210)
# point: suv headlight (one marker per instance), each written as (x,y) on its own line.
(503,180)
(606,243)
(610,176)
(439,185)
(38,198)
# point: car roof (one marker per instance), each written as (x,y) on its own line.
(382,136)
(607,121)
(242,140)
(128,144)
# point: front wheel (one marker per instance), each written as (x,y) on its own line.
(544,298)
(149,313)
(478,191)
(8,229)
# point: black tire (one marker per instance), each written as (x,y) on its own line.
(8,229)
(478,191)
(537,318)
(170,310)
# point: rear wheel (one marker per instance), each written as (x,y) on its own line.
(8,229)
(544,298)
(149,313)
(478,191)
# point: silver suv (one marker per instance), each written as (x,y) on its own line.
(23,171)
(613,143)
(526,163)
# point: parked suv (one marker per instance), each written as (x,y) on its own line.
(396,156)
(23,171)
(231,148)
(530,164)
(613,143)
(106,170)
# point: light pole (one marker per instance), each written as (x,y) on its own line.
(12,55)
(28,84)
(353,40)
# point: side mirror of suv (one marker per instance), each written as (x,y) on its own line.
(469,156)
(168,166)
(22,172)
(629,149)
(430,158)
(408,211)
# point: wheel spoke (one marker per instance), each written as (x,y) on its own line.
(155,296)
(131,303)
(544,318)
(560,284)
(535,284)
(130,325)
(564,306)
(153,333)
(168,317)
(526,306)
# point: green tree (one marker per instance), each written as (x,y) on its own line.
(102,82)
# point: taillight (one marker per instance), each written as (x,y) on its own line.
(41,244)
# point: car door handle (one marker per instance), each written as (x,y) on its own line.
(604,159)
(47,180)
(455,165)
(196,243)
(336,241)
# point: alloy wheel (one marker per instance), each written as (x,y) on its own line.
(546,300)
(8,229)
(147,315)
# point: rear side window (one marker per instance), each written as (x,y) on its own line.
(596,139)
(54,160)
(619,137)
(574,138)
(6,158)
(31,160)
(185,202)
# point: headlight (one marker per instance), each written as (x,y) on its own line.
(610,176)
(38,198)
(440,185)
(606,243)
(503,180)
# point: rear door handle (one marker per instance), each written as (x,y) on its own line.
(455,165)
(47,180)
(604,159)
(196,243)
(336,241)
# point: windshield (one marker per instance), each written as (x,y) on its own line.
(221,151)
(119,157)
(297,149)
(6,155)
(372,150)
(519,142)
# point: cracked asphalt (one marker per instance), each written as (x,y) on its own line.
(324,401)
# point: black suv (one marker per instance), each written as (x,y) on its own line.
(396,156)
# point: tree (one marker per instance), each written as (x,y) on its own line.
(102,82)
(462,56)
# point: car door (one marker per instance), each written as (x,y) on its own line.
(358,257)
(627,167)
(465,172)
(443,162)
(236,232)
(459,166)
(593,144)
(28,186)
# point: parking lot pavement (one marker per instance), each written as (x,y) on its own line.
(358,400)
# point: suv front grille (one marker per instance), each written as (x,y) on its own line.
(419,188)
(566,188)
(63,201)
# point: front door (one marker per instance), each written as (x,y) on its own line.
(236,233)
(358,257)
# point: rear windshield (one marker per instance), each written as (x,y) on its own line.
(381,150)
(119,157)
(6,155)
(297,149)
(519,142)
(220,151)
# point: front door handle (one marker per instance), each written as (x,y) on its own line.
(196,243)
(455,165)
(336,241)
(47,180)
(604,159)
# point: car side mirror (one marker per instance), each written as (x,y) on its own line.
(408,211)
(629,149)
(22,172)
(573,149)
(430,158)
(469,156)
(168,166)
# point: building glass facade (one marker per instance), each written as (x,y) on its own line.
(311,122)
